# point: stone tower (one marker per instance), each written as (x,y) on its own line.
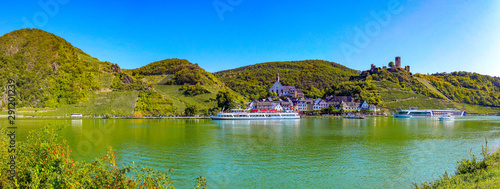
(398,62)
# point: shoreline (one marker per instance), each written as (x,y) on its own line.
(476,172)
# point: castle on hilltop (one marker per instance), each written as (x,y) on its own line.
(395,67)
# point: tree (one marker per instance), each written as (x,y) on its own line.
(391,64)
(226,100)
(191,110)
(213,111)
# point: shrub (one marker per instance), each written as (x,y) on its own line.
(470,166)
(193,90)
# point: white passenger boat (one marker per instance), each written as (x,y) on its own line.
(427,113)
(254,115)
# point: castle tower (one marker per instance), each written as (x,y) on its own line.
(398,62)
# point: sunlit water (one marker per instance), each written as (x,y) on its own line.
(308,153)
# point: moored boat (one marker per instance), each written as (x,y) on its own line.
(426,113)
(402,116)
(355,117)
(446,117)
(245,115)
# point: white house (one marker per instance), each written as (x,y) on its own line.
(323,104)
(365,106)
(277,106)
(316,104)
(302,105)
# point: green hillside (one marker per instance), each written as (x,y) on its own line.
(181,71)
(466,87)
(55,78)
(49,71)
(183,84)
(400,89)
(311,76)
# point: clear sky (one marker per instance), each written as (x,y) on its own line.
(430,36)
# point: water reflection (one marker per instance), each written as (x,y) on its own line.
(246,123)
(77,123)
(448,123)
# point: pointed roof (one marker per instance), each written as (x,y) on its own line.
(278,76)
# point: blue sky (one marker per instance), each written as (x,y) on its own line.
(430,36)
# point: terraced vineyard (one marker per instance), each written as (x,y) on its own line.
(203,101)
(119,103)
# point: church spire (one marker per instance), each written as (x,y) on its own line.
(278,77)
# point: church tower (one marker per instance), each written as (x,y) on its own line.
(277,87)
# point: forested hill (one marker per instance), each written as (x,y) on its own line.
(309,75)
(181,71)
(466,87)
(54,76)
(48,69)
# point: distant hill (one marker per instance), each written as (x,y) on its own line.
(467,87)
(55,78)
(401,89)
(48,69)
(311,76)
(183,83)
(180,71)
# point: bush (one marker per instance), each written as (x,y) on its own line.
(193,90)
(191,110)
(470,166)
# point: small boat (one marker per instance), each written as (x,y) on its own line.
(446,117)
(354,117)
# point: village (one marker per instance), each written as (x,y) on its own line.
(289,98)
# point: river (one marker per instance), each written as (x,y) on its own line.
(379,152)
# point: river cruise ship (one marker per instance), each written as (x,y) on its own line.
(254,115)
(427,113)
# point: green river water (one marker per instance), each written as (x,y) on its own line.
(377,152)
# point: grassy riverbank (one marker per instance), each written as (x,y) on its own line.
(471,173)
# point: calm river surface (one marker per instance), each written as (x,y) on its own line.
(308,153)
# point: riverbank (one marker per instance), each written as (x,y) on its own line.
(117,117)
(471,173)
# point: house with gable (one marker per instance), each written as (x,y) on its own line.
(320,104)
